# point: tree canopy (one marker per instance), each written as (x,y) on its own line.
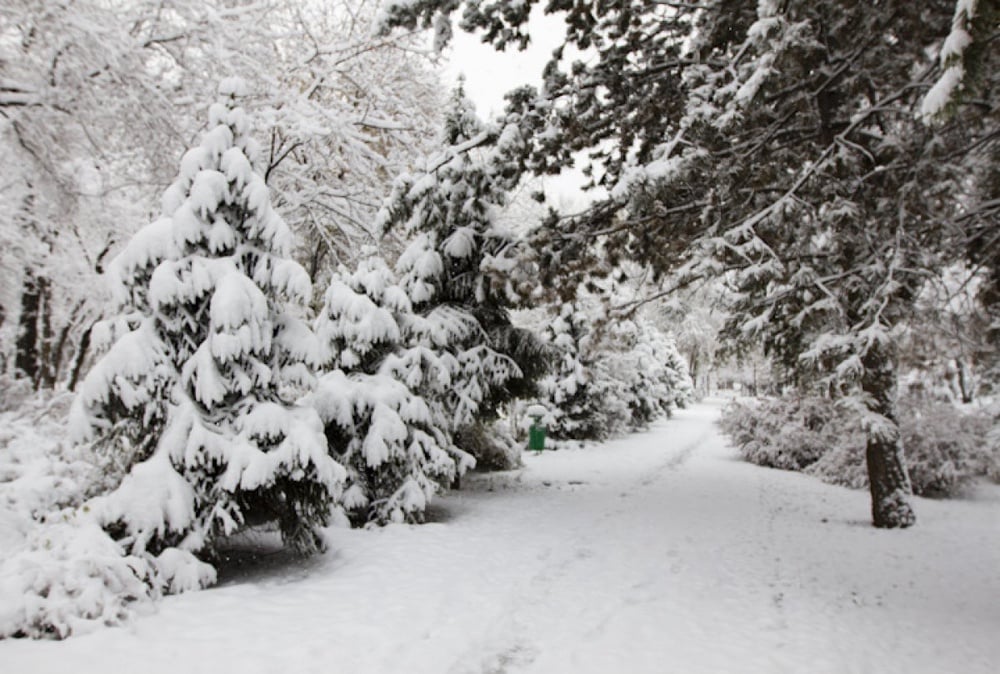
(781,146)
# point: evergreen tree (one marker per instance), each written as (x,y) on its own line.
(664,383)
(397,448)
(612,376)
(196,388)
(575,398)
(964,58)
(459,267)
(674,373)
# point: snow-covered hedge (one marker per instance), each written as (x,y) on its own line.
(491,444)
(787,434)
(69,577)
(40,471)
(946,447)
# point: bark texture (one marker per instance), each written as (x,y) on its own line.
(887,474)
(26,355)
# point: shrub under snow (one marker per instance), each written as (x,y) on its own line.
(40,470)
(787,434)
(60,571)
(492,444)
(946,447)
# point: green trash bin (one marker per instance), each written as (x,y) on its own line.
(536,435)
(536,432)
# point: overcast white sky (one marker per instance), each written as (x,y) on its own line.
(489,74)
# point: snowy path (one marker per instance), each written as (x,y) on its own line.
(656,553)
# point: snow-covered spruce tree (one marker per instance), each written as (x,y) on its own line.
(661,382)
(576,400)
(670,367)
(196,388)
(459,270)
(613,375)
(397,451)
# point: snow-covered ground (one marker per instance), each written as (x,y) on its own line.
(660,553)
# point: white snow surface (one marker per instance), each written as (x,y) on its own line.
(660,552)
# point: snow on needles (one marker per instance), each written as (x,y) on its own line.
(949,84)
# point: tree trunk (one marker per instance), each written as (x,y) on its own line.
(966,385)
(887,476)
(80,357)
(26,355)
(693,363)
(60,342)
(3,356)
(46,377)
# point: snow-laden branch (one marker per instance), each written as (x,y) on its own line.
(949,85)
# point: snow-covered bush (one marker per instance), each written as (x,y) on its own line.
(991,466)
(946,447)
(843,465)
(491,444)
(66,577)
(786,434)
(40,471)
(60,572)
(55,577)
(69,577)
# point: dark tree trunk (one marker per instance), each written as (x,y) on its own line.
(80,357)
(59,343)
(965,381)
(3,356)
(693,363)
(887,476)
(46,377)
(26,356)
